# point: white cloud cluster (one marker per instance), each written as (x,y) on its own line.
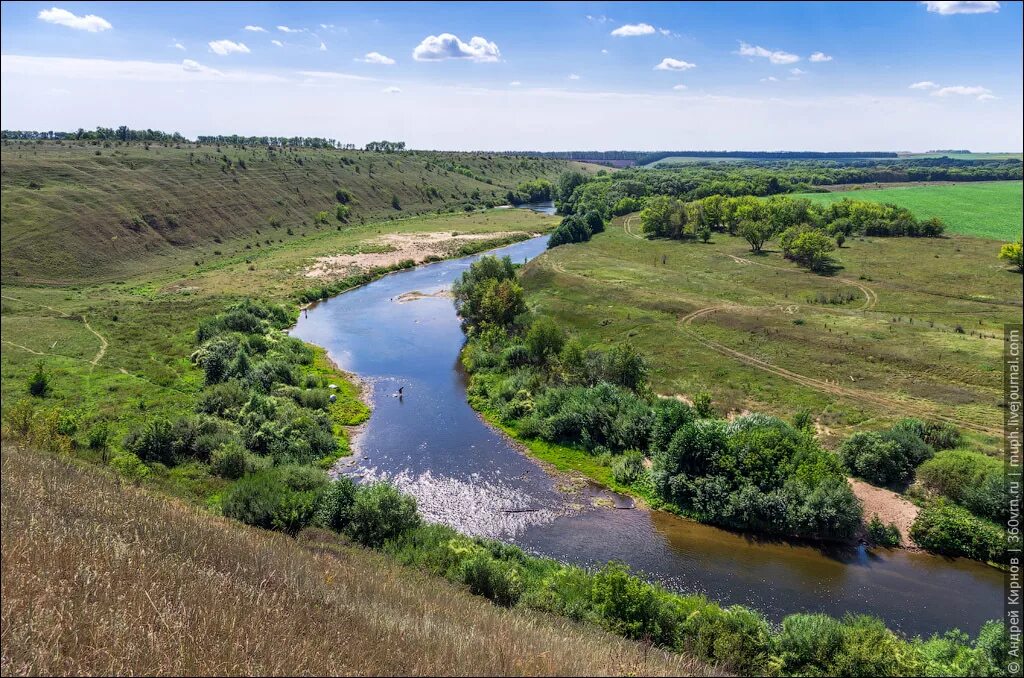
(192,66)
(225,47)
(391,90)
(573,76)
(286,29)
(937,90)
(62,17)
(960,7)
(633,30)
(670,64)
(776,57)
(819,57)
(377,58)
(447,46)
(679,88)
(255,29)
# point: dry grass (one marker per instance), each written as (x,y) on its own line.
(99,578)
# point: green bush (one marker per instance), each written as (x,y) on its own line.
(130,466)
(282,498)
(334,506)
(628,468)
(39,382)
(949,529)
(884,458)
(881,534)
(232,461)
(496,580)
(973,480)
(380,513)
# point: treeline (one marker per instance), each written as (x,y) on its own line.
(646,157)
(385,146)
(604,191)
(806,231)
(292,142)
(122,133)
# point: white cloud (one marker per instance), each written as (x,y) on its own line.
(963,91)
(679,88)
(600,19)
(327,27)
(604,51)
(448,46)
(770,78)
(924,84)
(391,90)
(961,7)
(333,75)
(277,42)
(633,30)
(573,76)
(819,57)
(670,64)
(377,58)
(323,46)
(515,83)
(255,29)
(62,17)
(225,47)
(776,57)
(178,45)
(797,72)
(286,29)
(192,66)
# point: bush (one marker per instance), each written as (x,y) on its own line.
(884,458)
(379,513)
(231,461)
(702,405)
(334,505)
(883,535)
(949,529)
(282,498)
(153,441)
(628,468)
(223,399)
(39,382)
(495,580)
(972,480)
(130,466)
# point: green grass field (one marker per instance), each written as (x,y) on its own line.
(916,332)
(966,156)
(990,209)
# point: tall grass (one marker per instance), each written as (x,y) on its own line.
(103,578)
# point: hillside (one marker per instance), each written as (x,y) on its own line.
(75,211)
(120,581)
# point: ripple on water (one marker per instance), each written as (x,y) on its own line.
(477,507)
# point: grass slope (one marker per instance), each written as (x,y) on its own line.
(990,209)
(103,578)
(74,212)
(917,333)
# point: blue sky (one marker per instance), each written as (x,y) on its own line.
(527,75)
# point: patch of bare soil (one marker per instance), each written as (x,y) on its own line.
(887,505)
(390,249)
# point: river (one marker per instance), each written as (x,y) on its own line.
(402,331)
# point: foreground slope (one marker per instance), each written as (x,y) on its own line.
(77,211)
(119,581)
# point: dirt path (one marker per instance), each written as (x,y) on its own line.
(911,407)
(63,314)
(626,227)
(887,505)
(870,296)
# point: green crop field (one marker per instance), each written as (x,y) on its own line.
(966,156)
(990,209)
(906,327)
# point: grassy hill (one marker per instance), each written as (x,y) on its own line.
(990,209)
(119,581)
(80,211)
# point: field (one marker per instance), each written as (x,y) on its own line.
(966,156)
(83,212)
(983,209)
(906,327)
(119,581)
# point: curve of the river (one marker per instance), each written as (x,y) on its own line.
(402,331)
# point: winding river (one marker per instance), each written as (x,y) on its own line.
(402,331)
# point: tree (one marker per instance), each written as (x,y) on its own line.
(663,217)
(544,340)
(39,383)
(756,233)
(567,183)
(1013,254)
(807,246)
